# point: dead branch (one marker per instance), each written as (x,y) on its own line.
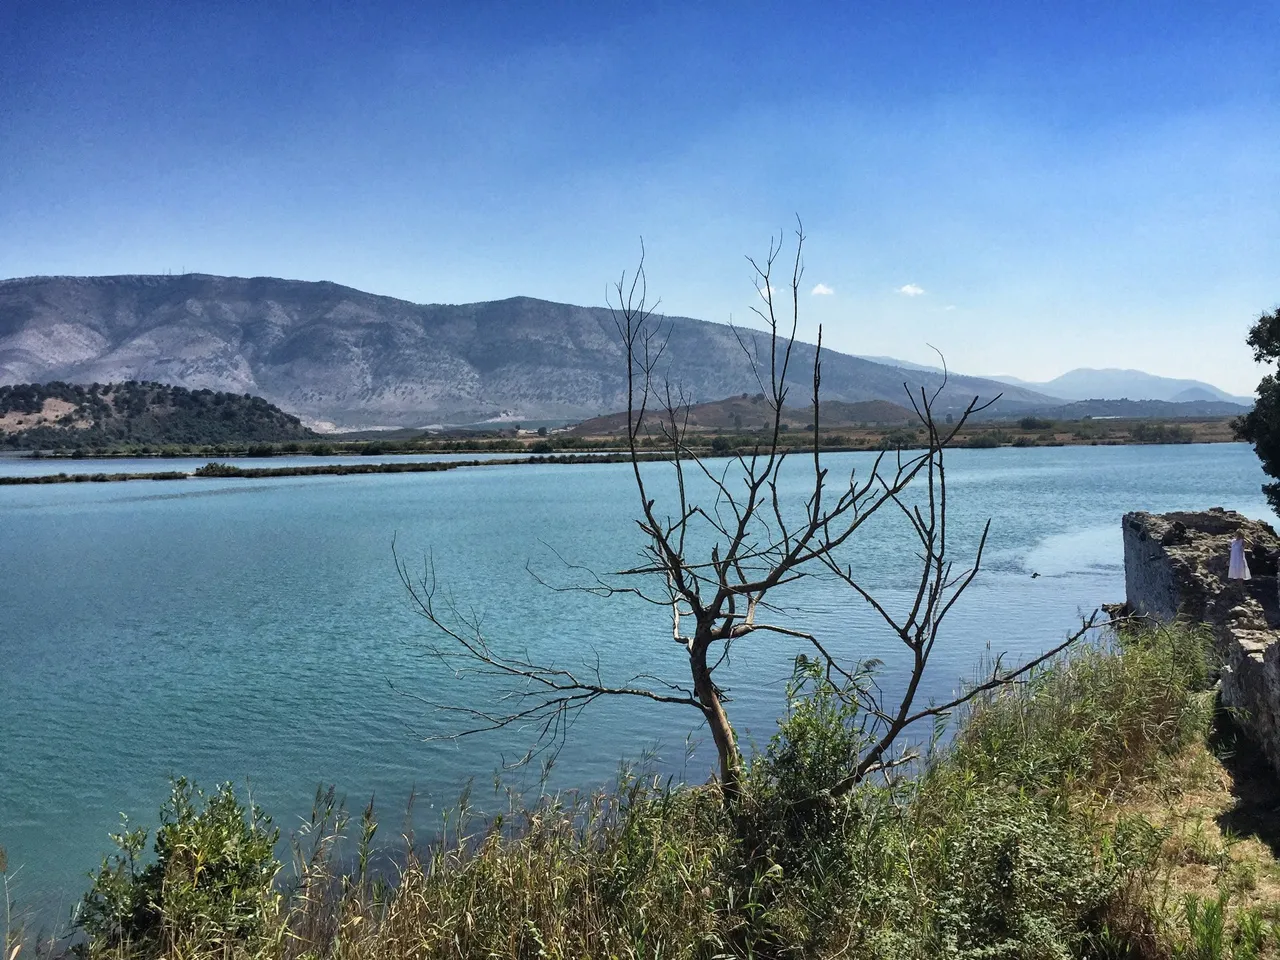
(539,698)
(728,538)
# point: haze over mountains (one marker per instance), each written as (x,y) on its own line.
(329,353)
(1087,383)
(1115,384)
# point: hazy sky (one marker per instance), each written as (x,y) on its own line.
(1029,187)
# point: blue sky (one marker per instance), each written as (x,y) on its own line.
(1029,187)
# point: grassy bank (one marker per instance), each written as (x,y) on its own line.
(1081,814)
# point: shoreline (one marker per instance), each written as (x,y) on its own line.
(218,470)
(707,439)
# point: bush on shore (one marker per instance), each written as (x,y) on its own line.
(1002,842)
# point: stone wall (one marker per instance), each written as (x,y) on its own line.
(1175,564)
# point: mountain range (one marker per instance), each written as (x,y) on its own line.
(1115,384)
(334,355)
(1088,383)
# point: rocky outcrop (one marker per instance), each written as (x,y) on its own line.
(1175,565)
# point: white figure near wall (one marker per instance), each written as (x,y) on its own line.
(1238,569)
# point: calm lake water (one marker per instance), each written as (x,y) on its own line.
(256,631)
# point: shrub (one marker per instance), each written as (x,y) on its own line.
(987,440)
(1019,880)
(218,470)
(900,439)
(211,880)
(1161,433)
(818,744)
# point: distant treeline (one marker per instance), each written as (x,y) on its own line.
(104,416)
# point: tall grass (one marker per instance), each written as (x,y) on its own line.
(1003,843)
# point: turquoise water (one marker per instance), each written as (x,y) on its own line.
(255,630)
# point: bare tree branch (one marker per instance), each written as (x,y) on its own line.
(730,536)
(537,697)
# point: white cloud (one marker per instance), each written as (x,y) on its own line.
(822,290)
(911,290)
(949,306)
(766,292)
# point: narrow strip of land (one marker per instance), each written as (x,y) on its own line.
(228,471)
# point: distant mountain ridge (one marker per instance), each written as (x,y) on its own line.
(905,364)
(331,353)
(1086,383)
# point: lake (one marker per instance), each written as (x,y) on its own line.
(256,631)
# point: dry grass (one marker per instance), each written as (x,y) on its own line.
(1221,818)
(49,414)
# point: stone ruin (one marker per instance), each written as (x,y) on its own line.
(1175,565)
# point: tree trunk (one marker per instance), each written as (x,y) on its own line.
(718,720)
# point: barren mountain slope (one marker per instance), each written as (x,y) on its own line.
(327,352)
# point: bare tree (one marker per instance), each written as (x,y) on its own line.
(715,554)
